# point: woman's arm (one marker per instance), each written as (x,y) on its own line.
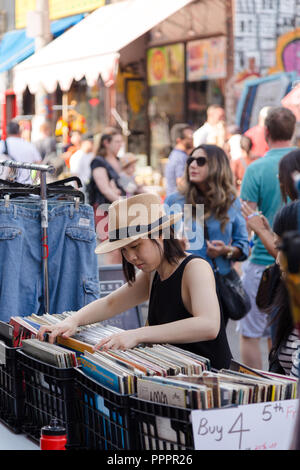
(199,297)
(103,184)
(117,302)
(260,225)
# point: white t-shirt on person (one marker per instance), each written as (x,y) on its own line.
(21,151)
(80,165)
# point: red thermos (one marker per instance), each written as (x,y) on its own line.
(53,437)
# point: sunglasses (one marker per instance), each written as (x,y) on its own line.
(201,161)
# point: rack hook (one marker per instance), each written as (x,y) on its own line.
(7,200)
(77,201)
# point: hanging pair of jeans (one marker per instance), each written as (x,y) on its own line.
(72,263)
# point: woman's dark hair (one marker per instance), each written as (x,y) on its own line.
(287,165)
(286,219)
(283,318)
(172,251)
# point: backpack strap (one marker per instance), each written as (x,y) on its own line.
(206,237)
(5,151)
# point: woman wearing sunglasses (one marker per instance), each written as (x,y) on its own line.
(210,186)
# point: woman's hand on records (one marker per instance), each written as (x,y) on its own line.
(66,328)
(125,340)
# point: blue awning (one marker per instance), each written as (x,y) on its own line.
(15,46)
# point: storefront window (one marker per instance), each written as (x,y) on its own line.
(166,76)
(200,95)
(90,102)
(166,108)
(205,71)
(137,115)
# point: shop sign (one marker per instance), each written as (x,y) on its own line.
(258,426)
(57,8)
(206,59)
(165,64)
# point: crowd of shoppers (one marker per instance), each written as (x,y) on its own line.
(229,197)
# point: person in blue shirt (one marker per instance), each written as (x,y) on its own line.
(182,138)
(210,195)
(261,191)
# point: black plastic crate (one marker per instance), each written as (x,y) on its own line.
(162,427)
(50,392)
(105,416)
(11,389)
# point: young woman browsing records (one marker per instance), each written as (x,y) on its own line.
(183,304)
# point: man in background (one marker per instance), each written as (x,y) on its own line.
(80,161)
(46,145)
(213,130)
(182,140)
(75,144)
(239,166)
(20,150)
(261,190)
(257,134)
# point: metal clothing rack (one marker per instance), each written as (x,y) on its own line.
(43,169)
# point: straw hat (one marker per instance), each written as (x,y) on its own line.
(132,218)
(127,160)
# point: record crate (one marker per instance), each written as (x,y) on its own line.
(105,416)
(50,392)
(11,388)
(162,427)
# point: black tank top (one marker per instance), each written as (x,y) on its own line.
(166,306)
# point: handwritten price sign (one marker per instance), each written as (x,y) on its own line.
(261,426)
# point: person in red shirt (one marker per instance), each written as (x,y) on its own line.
(76,141)
(257,134)
(239,166)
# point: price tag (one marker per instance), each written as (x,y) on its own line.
(2,353)
(259,426)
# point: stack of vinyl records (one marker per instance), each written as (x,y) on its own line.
(119,370)
(84,339)
(160,373)
(239,385)
(50,353)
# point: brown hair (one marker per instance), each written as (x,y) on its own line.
(221,191)
(106,137)
(280,123)
(246,143)
(178,132)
